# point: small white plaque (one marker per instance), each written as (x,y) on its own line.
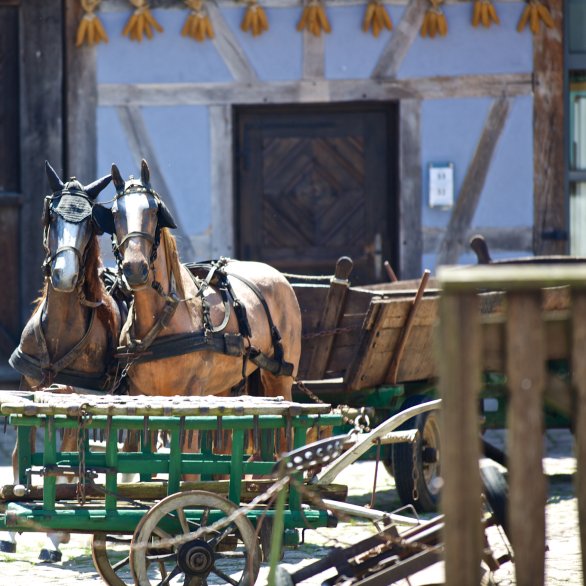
(441,185)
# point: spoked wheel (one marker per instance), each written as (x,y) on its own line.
(417,467)
(169,548)
(111,555)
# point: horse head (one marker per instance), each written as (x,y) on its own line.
(68,227)
(135,221)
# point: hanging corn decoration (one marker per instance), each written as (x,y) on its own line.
(314,18)
(376,18)
(532,14)
(141,23)
(90,30)
(484,13)
(434,20)
(255,19)
(198,25)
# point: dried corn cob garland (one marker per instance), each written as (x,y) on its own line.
(314,18)
(434,20)
(141,23)
(90,30)
(255,19)
(198,25)
(484,13)
(532,14)
(376,18)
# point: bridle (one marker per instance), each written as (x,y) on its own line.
(154,240)
(48,211)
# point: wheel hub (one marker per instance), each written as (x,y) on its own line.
(196,558)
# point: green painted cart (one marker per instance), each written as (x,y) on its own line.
(160,529)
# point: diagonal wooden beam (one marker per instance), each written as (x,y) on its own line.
(454,241)
(141,147)
(228,47)
(401,40)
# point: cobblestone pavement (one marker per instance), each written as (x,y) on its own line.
(562,562)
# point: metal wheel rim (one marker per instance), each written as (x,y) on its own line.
(102,562)
(430,437)
(192,499)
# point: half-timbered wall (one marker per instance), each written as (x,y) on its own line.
(466,98)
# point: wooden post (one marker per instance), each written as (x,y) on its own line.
(459,342)
(333,309)
(526,380)
(579,384)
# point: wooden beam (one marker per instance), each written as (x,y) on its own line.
(81,99)
(322,91)
(454,241)
(122,5)
(222,173)
(515,239)
(41,115)
(401,40)
(228,47)
(313,56)
(410,237)
(550,224)
(141,147)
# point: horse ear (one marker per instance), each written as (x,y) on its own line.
(117,179)
(103,219)
(145,173)
(55,182)
(93,189)
(165,218)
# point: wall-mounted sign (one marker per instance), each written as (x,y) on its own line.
(441,185)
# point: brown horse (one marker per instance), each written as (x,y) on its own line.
(183,336)
(72,334)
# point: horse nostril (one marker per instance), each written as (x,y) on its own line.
(136,273)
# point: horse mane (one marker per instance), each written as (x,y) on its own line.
(94,288)
(172,259)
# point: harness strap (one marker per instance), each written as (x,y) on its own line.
(47,364)
(30,366)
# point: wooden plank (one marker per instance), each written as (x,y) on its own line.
(550,234)
(579,385)
(318,91)
(459,351)
(41,108)
(410,210)
(142,148)
(313,56)
(331,312)
(228,47)
(406,329)
(401,40)
(516,239)
(527,484)
(222,172)
(452,244)
(81,97)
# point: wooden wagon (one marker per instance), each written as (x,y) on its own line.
(374,346)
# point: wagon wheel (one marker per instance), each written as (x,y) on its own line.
(111,558)
(228,555)
(417,466)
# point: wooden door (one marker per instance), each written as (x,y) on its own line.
(10,198)
(315,183)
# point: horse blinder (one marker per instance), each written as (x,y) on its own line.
(103,219)
(165,218)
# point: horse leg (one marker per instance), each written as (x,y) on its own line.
(278,386)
